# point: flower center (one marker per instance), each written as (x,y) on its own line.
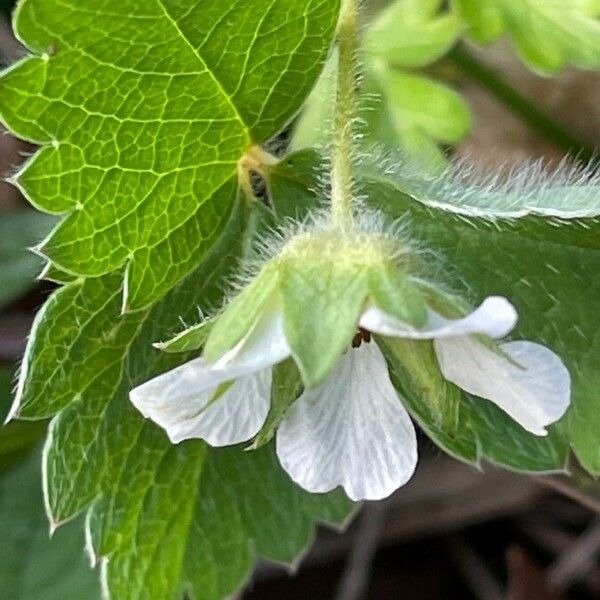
(361,336)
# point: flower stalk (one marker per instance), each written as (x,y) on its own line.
(342,183)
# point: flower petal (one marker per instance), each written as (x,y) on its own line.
(352,431)
(495,317)
(265,346)
(180,402)
(535,392)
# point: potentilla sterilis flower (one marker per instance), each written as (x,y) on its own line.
(349,426)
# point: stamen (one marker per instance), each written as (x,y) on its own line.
(361,336)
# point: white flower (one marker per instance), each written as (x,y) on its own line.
(353,430)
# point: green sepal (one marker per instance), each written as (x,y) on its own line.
(238,318)
(261,220)
(189,340)
(396,294)
(444,302)
(322,302)
(285,389)
(436,404)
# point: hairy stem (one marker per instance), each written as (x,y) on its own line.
(345,113)
(521,106)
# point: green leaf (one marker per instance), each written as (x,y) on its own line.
(416,113)
(548,34)
(162,518)
(412,33)
(413,112)
(34,566)
(483,19)
(19,231)
(143,114)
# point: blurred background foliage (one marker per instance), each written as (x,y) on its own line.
(429,90)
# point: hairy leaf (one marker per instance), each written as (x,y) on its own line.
(143,112)
(547,262)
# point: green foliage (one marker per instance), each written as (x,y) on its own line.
(407,109)
(497,242)
(411,110)
(18,266)
(146,114)
(483,19)
(416,113)
(548,34)
(550,267)
(412,33)
(34,566)
(167,516)
(144,165)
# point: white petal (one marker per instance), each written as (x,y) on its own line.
(351,431)
(495,317)
(180,402)
(265,346)
(535,392)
